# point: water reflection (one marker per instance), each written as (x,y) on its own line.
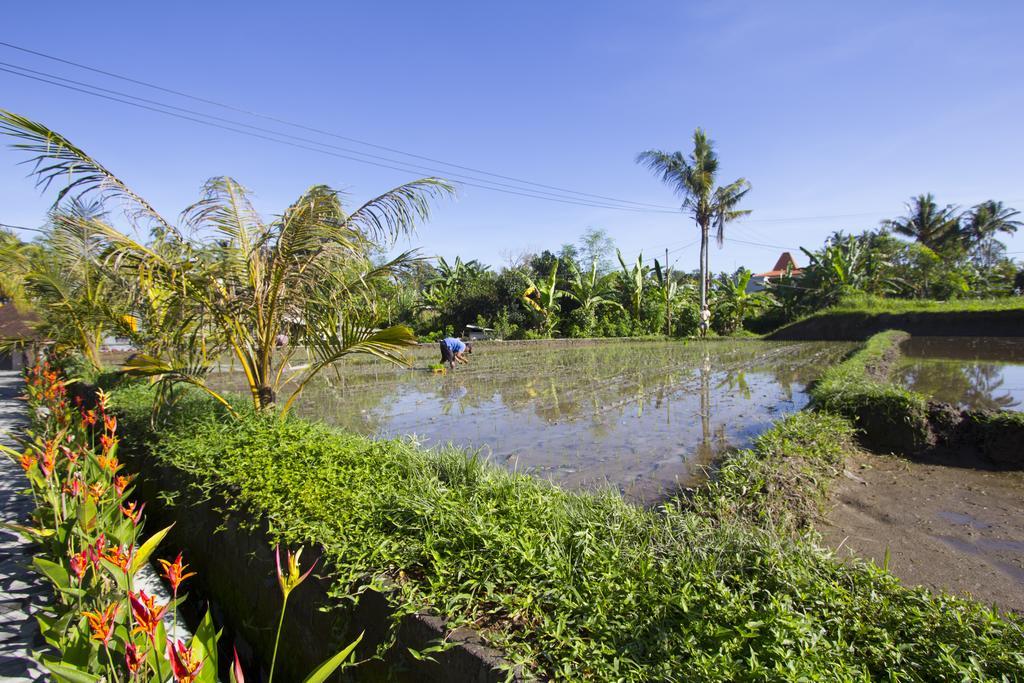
(976,373)
(642,416)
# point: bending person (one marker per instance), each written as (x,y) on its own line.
(454,350)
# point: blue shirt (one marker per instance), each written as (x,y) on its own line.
(454,345)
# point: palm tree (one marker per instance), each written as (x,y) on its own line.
(983,222)
(304,280)
(694,179)
(59,277)
(934,227)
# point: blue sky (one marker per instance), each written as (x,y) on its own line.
(836,112)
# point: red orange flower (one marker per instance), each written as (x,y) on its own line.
(79,563)
(132,512)
(121,483)
(119,556)
(174,572)
(73,486)
(102,623)
(108,463)
(184,665)
(133,659)
(97,490)
(146,612)
(110,423)
(89,418)
(27,461)
(106,443)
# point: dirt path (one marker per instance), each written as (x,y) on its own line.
(959,529)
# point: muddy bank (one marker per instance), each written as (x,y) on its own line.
(956,529)
(857,326)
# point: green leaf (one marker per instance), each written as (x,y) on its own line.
(120,578)
(63,672)
(146,549)
(204,643)
(322,672)
(54,572)
(87,514)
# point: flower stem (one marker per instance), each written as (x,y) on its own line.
(277,638)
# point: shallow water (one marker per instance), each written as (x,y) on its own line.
(975,373)
(644,417)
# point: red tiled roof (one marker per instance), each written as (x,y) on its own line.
(785,262)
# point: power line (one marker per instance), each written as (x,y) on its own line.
(328,133)
(142,104)
(494,186)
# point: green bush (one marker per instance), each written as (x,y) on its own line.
(583,586)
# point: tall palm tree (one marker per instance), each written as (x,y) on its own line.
(934,227)
(984,222)
(694,180)
(302,281)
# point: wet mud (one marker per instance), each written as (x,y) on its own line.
(958,529)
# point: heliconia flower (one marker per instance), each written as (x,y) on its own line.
(237,675)
(97,490)
(102,623)
(89,418)
(47,463)
(109,423)
(133,659)
(27,461)
(79,563)
(108,463)
(70,454)
(121,483)
(73,486)
(103,399)
(131,512)
(292,580)
(78,401)
(184,665)
(146,612)
(174,572)
(106,443)
(119,556)
(96,550)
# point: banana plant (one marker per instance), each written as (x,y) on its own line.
(543,297)
(633,282)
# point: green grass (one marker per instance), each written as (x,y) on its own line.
(875,304)
(583,586)
(859,389)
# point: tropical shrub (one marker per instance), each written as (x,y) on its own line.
(87,527)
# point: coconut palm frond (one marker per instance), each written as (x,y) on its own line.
(397,211)
(55,158)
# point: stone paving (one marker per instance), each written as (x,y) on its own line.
(20,593)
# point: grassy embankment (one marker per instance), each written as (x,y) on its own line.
(584,586)
(858,318)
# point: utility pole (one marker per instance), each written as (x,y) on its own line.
(668,303)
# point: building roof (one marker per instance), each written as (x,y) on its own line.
(785,262)
(15,324)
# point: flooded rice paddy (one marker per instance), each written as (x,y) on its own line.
(974,373)
(644,417)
